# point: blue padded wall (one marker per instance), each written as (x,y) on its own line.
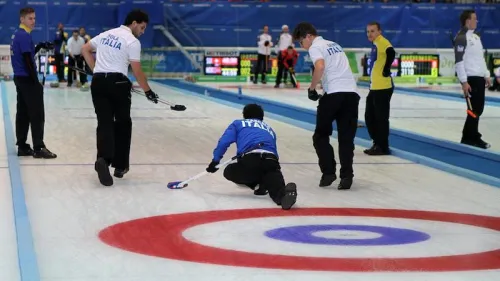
(237,24)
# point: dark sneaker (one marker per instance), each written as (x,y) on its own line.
(345,184)
(377,150)
(102,169)
(290,196)
(482,144)
(119,173)
(44,153)
(260,191)
(327,180)
(25,151)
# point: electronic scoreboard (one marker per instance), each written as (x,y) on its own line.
(248,63)
(495,64)
(221,63)
(419,65)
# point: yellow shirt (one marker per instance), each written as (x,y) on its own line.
(377,61)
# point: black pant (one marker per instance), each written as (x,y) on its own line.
(377,112)
(258,168)
(261,67)
(112,100)
(59,58)
(470,132)
(342,108)
(78,62)
(282,71)
(30,111)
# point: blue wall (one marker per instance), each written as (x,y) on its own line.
(238,24)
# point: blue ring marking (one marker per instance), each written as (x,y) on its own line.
(390,235)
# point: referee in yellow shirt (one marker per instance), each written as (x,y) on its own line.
(378,102)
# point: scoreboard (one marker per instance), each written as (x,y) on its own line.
(419,65)
(234,63)
(495,64)
(221,63)
(248,63)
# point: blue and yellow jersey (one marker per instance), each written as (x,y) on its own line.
(378,58)
(22,43)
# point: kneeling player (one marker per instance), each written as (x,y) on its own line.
(258,163)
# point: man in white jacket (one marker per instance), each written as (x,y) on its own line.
(264,44)
(473,75)
(284,42)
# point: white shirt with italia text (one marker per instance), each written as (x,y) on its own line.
(115,49)
(337,76)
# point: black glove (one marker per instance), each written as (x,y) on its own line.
(312,94)
(152,96)
(211,167)
(266,43)
(386,72)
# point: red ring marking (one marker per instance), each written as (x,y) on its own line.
(161,236)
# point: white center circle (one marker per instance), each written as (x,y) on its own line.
(346,234)
(248,235)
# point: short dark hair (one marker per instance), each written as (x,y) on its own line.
(76,31)
(302,29)
(375,23)
(466,16)
(253,111)
(26,11)
(136,15)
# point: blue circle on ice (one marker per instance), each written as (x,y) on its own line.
(345,235)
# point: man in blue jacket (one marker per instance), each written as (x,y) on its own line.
(258,163)
(30,106)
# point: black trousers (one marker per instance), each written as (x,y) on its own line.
(261,67)
(470,132)
(30,111)
(341,107)
(377,112)
(59,58)
(112,100)
(78,61)
(258,168)
(283,70)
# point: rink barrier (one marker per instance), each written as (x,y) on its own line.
(493,101)
(454,158)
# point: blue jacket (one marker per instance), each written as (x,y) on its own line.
(247,134)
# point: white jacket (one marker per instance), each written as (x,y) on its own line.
(261,39)
(469,55)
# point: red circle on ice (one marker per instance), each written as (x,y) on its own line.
(161,236)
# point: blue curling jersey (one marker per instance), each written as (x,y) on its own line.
(247,134)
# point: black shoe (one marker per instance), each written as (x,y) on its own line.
(276,86)
(478,143)
(290,196)
(482,144)
(377,150)
(327,180)
(345,184)
(102,169)
(44,153)
(366,151)
(119,173)
(25,151)
(260,191)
